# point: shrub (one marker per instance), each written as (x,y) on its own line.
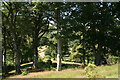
(76,56)
(91,71)
(90,67)
(112,59)
(52,69)
(40,59)
(25,72)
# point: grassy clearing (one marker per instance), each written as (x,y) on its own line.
(108,71)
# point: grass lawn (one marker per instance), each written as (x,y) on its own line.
(69,73)
(108,71)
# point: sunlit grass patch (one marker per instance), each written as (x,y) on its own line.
(70,73)
(109,71)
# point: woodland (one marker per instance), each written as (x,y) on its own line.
(40,36)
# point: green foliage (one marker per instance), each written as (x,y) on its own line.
(90,71)
(40,59)
(90,67)
(76,56)
(50,52)
(113,59)
(52,69)
(47,57)
(25,72)
(10,62)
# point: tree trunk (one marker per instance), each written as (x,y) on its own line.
(97,59)
(98,55)
(17,60)
(59,55)
(88,60)
(84,58)
(4,61)
(59,52)
(4,51)
(17,54)
(35,58)
(84,52)
(1,53)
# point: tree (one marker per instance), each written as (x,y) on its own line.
(59,52)
(11,18)
(40,25)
